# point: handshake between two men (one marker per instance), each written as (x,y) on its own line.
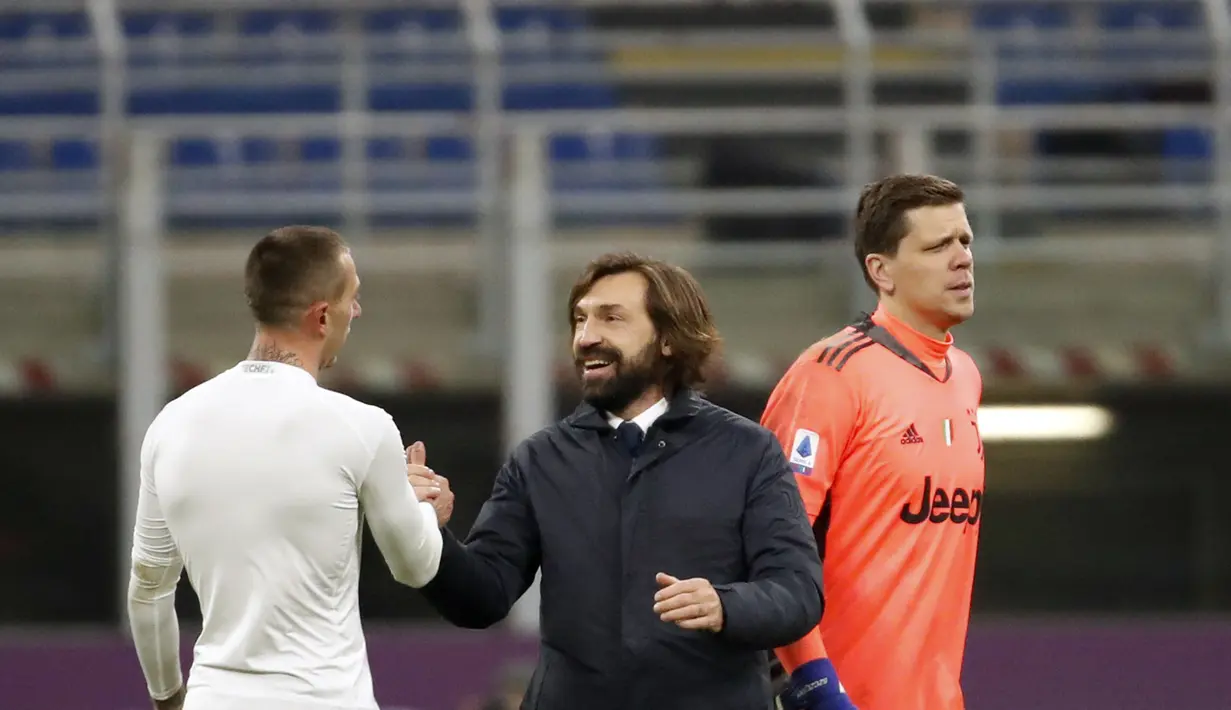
(690,603)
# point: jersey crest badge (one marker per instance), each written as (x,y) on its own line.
(803,452)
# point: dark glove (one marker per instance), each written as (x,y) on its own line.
(815,686)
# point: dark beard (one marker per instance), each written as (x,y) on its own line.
(631,379)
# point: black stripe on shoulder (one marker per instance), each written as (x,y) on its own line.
(836,356)
(851,353)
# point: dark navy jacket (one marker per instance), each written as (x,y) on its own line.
(709,495)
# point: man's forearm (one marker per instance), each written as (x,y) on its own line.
(770,612)
(155,630)
(465,590)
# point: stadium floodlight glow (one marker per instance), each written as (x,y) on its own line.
(1021,422)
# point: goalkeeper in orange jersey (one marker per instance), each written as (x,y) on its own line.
(879,422)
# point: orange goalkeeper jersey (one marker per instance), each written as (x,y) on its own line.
(880,425)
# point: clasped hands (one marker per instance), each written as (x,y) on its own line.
(429,486)
(691,604)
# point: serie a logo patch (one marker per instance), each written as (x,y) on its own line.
(803,451)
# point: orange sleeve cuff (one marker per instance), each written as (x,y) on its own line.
(808,648)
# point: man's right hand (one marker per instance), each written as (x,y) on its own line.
(428,485)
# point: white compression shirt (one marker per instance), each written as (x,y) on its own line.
(258,483)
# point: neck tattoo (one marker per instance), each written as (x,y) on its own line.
(272,353)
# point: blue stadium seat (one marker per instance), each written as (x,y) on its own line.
(420,97)
(996,15)
(431,20)
(83,102)
(257,150)
(1188,144)
(538,97)
(555,19)
(265,22)
(618,146)
(1181,146)
(256,99)
(449,149)
(62,25)
(15,155)
(184,24)
(386,148)
(1174,15)
(320,149)
(74,154)
(15,26)
(194,152)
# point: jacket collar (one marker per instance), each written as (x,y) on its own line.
(682,405)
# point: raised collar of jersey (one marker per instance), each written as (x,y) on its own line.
(909,344)
(683,405)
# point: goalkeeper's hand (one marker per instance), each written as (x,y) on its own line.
(814,686)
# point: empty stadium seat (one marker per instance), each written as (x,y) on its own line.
(266,22)
(1174,15)
(74,102)
(15,155)
(570,147)
(61,25)
(194,152)
(430,20)
(184,24)
(449,148)
(74,154)
(997,15)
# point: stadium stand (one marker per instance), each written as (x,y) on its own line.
(292,62)
(203,73)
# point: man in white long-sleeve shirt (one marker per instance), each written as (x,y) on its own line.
(258,482)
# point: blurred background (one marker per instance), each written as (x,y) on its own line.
(476,154)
